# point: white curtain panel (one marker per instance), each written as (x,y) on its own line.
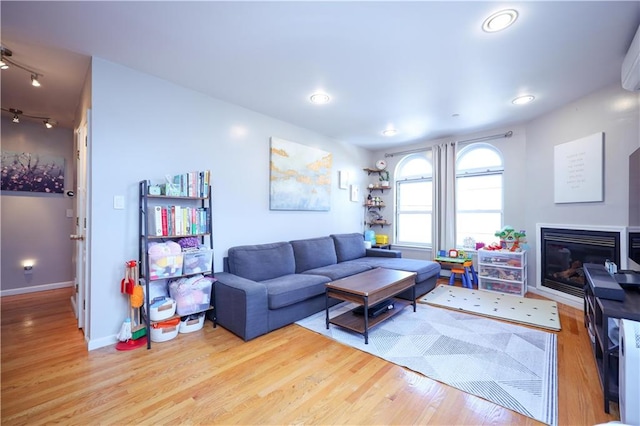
(444,197)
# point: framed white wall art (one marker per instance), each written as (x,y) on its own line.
(578,170)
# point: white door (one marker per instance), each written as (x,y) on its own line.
(80,235)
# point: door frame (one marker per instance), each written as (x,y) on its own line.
(81,236)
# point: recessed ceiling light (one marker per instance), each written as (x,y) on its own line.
(389,132)
(319,98)
(521,100)
(500,20)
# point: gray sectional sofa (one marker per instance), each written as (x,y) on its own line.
(267,286)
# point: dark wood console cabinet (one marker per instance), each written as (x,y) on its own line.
(597,312)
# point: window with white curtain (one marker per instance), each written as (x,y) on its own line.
(414,200)
(479,193)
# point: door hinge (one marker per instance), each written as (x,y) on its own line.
(77,221)
(77,287)
(84,304)
(78,154)
(85,223)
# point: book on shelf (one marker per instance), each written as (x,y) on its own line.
(165,227)
(191,184)
(155,221)
(175,220)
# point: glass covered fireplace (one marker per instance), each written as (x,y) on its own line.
(563,252)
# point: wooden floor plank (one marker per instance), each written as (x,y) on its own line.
(289,376)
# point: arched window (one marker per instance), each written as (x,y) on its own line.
(414,200)
(479,193)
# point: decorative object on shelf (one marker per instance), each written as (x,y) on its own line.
(381,165)
(384,178)
(300,177)
(155,190)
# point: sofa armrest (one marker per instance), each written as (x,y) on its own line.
(241,305)
(375,252)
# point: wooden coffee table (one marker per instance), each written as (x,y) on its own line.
(367,289)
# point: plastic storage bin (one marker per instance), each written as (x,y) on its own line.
(191,294)
(165,330)
(197,261)
(191,323)
(501,287)
(161,308)
(165,266)
(382,239)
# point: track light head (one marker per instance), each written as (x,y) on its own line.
(34,80)
(48,123)
(4,52)
(16,118)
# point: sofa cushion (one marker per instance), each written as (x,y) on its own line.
(313,253)
(293,288)
(339,270)
(349,246)
(423,268)
(262,262)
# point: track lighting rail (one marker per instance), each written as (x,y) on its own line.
(48,122)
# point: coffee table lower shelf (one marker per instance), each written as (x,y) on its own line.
(356,322)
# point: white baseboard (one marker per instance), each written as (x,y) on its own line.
(102,342)
(35,288)
(574,302)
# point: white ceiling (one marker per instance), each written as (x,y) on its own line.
(411,65)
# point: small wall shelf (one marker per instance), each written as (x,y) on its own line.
(381,223)
(369,171)
(378,188)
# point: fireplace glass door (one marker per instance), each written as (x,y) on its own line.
(565,251)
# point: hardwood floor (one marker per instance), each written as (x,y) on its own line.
(289,376)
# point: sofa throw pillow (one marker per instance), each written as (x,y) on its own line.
(314,253)
(262,262)
(349,246)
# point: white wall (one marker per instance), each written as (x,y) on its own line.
(35,225)
(513,152)
(146,128)
(615,112)
(528,156)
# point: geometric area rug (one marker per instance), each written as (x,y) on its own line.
(507,364)
(536,312)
